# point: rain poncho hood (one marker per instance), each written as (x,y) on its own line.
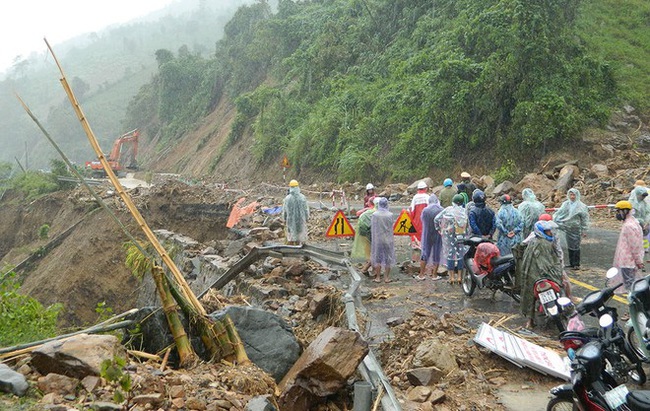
(431,239)
(382,247)
(530,209)
(640,205)
(295,212)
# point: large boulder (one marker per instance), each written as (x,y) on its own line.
(539,183)
(77,356)
(506,187)
(565,180)
(267,338)
(323,369)
(433,353)
(12,381)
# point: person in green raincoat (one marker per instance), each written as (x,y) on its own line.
(540,260)
(363,238)
(573,218)
(641,207)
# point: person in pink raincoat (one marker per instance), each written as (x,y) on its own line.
(628,257)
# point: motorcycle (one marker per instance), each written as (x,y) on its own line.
(551,302)
(621,359)
(592,387)
(638,333)
(498,274)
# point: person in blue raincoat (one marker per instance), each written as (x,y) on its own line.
(573,218)
(530,209)
(509,226)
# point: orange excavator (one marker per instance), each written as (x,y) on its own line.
(122,156)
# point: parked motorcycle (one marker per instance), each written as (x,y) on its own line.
(621,359)
(638,333)
(551,302)
(497,273)
(592,386)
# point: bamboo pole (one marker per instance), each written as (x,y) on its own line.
(170,308)
(123,195)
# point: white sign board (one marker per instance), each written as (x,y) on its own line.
(523,353)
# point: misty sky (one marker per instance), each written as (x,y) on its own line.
(24,23)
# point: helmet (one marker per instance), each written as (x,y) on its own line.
(375,200)
(506,199)
(447,182)
(542,227)
(422,185)
(623,205)
(639,183)
(465,174)
(478,196)
(369,186)
(293,183)
(545,217)
(458,199)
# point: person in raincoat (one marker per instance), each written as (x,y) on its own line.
(295,213)
(642,215)
(482,219)
(628,257)
(540,260)
(362,237)
(418,203)
(447,193)
(573,219)
(370,195)
(382,247)
(431,241)
(509,226)
(530,209)
(451,223)
(641,207)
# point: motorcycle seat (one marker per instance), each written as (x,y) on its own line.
(638,400)
(587,333)
(502,259)
(475,241)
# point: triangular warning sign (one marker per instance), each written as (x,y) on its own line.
(404,225)
(340,226)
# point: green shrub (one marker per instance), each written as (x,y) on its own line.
(44,232)
(22,318)
(507,171)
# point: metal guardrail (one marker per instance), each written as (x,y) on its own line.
(370,369)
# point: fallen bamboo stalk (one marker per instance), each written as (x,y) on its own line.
(165,359)
(145,355)
(380,393)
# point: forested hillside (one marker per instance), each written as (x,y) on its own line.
(394,89)
(106,68)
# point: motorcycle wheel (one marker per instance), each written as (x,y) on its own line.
(561,404)
(515,296)
(469,285)
(635,344)
(559,323)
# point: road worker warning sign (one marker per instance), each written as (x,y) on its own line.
(285,162)
(404,225)
(340,226)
